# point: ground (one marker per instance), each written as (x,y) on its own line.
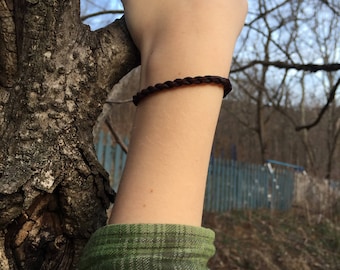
(262,239)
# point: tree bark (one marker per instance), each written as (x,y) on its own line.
(55,75)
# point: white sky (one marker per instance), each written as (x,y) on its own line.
(93,6)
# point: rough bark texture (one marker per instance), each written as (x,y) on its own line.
(54,78)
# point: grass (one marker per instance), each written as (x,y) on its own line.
(263,240)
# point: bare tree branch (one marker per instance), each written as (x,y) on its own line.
(116,136)
(323,110)
(119,101)
(85,17)
(326,2)
(305,67)
(266,13)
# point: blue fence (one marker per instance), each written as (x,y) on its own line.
(235,185)
(112,157)
(230,184)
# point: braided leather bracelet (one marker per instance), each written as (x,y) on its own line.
(183,82)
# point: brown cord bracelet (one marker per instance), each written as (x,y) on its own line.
(183,82)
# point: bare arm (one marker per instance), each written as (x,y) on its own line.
(164,179)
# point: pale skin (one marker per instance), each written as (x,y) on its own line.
(165,175)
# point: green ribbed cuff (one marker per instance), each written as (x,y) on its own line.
(148,246)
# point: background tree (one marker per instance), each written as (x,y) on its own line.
(286,81)
(55,75)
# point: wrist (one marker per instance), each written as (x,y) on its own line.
(172,63)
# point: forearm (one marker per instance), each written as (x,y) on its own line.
(173,133)
(168,159)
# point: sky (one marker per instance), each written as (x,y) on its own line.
(309,55)
(93,6)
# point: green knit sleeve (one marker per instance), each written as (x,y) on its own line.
(148,246)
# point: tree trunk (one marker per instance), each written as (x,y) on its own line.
(55,75)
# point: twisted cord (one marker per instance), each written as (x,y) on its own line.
(183,82)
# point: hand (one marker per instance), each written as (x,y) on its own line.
(180,38)
(145,18)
